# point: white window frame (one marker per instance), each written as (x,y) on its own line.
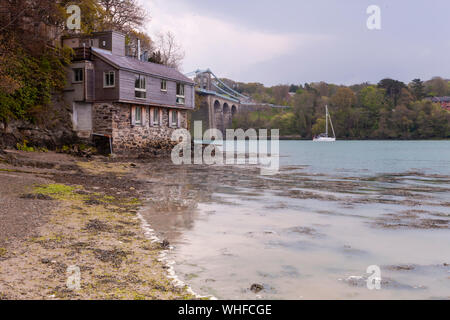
(181,99)
(174,118)
(174,121)
(155,121)
(136,121)
(75,75)
(109,73)
(142,86)
(163,85)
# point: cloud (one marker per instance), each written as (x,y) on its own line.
(224,47)
(294,41)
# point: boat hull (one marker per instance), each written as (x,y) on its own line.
(323,139)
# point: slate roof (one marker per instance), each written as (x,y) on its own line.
(137,66)
(441,99)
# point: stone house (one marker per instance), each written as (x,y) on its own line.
(134,104)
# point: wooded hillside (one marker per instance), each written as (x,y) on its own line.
(389,110)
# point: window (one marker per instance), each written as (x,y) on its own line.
(180,93)
(140,91)
(109,79)
(163,85)
(78,75)
(174,119)
(155,115)
(138,116)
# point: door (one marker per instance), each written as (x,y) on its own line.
(82,116)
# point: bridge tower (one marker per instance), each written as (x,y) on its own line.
(217,103)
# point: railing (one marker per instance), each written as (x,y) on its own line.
(257,104)
(82,53)
(224,91)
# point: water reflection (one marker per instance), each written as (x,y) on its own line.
(302,234)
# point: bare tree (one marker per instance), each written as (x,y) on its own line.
(123,15)
(171,52)
(33,23)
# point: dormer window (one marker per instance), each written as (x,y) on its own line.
(180,93)
(140,90)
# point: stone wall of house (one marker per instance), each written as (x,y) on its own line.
(102,117)
(131,139)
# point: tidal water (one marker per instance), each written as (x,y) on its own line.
(312,230)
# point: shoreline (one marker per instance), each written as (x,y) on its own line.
(91,221)
(347,139)
(167,198)
(171,274)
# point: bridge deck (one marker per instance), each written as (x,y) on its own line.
(214,93)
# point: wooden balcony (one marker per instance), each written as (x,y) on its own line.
(81,54)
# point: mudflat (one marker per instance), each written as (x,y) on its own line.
(64,217)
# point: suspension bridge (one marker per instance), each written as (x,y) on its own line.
(219,103)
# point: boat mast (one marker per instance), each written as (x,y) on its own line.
(326,119)
(331,122)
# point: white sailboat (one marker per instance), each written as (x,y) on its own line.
(324,136)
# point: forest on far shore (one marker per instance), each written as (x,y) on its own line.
(390,109)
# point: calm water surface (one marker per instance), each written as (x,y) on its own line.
(311,231)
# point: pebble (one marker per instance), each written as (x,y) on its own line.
(256,287)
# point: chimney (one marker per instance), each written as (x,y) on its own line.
(139,49)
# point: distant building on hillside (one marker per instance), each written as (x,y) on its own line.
(134,104)
(443,101)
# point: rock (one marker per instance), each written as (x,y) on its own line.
(92,202)
(165,244)
(82,192)
(7,140)
(97,225)
(256,287)
(37,196)
(402,267)
(11,159)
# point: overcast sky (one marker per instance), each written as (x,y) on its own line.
(298,41)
